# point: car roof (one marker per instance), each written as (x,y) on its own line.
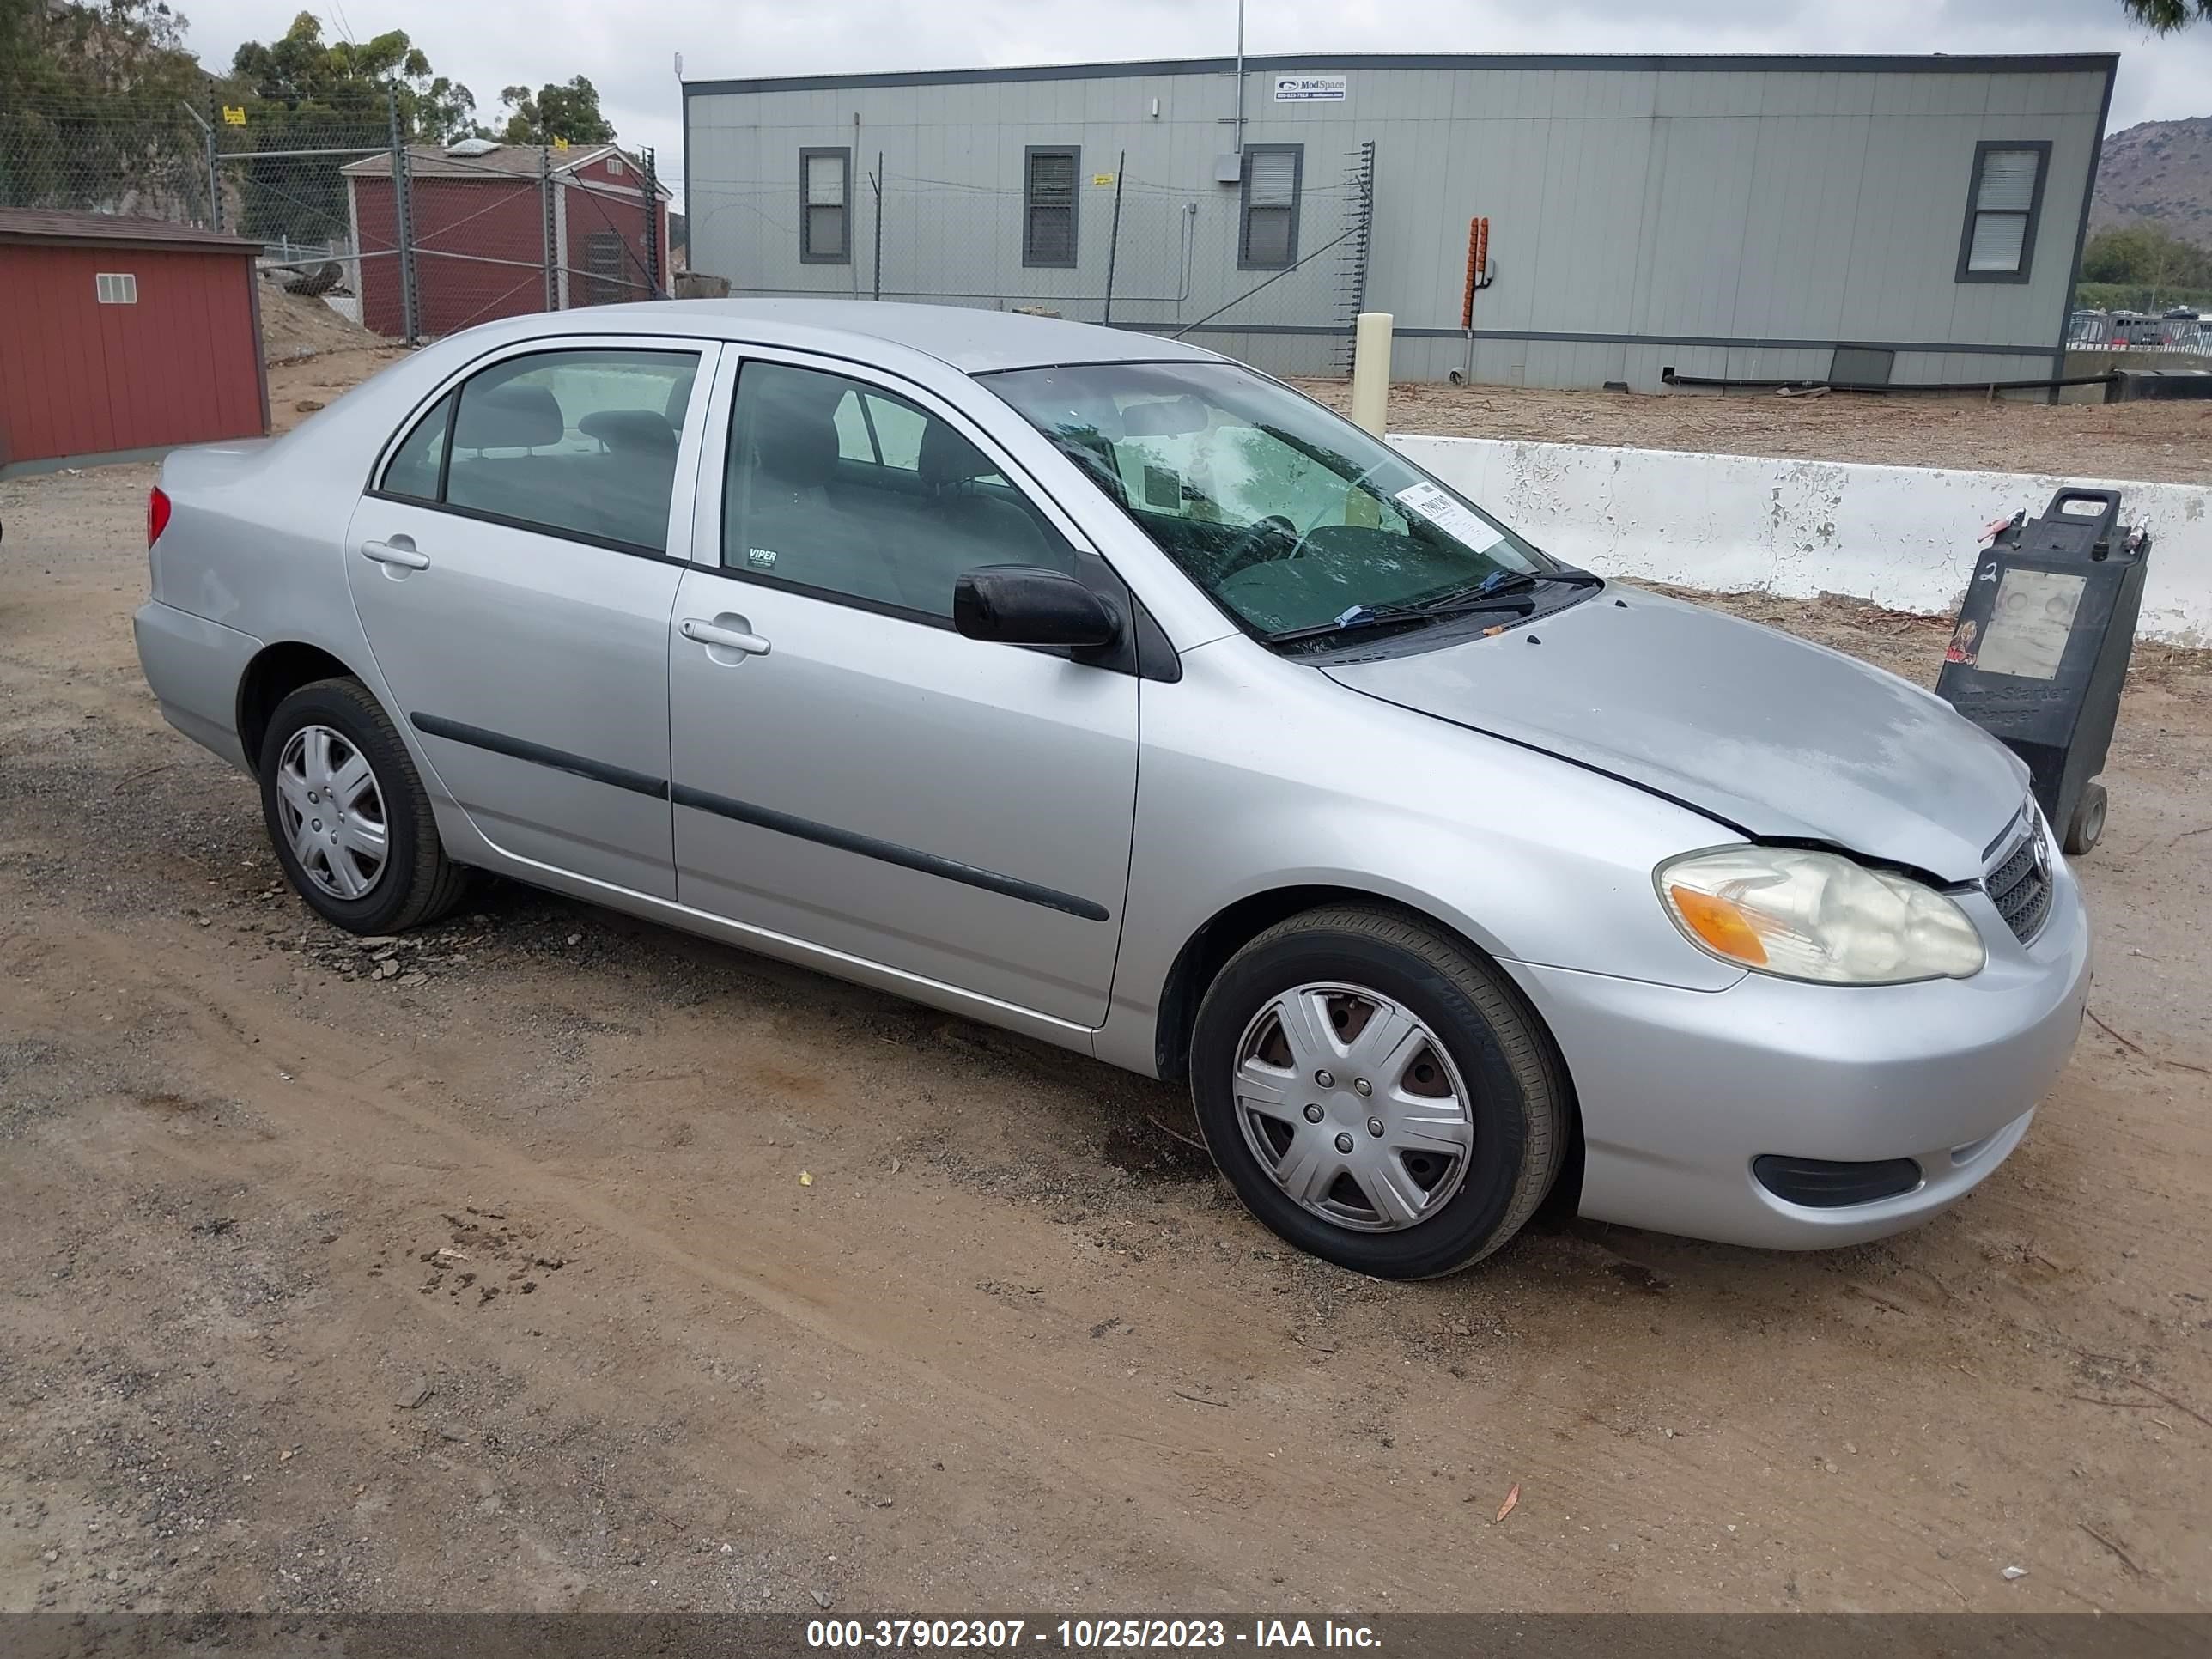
(973,341)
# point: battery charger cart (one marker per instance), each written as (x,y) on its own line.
(2041,646)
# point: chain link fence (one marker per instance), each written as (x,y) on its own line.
(1277,284)
(411,240)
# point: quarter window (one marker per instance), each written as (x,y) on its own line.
(1998,243)
(578,443)
(417,462)
(1048,204)
(825,190)
(847,490)
(1267,239)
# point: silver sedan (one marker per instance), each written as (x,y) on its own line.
(1100,688)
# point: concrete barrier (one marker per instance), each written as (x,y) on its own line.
(1902,537)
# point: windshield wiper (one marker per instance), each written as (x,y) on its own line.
(1372,616)
(1491,594)
(1514,581)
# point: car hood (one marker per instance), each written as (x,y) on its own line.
(1783,739)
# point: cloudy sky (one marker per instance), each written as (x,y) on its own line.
(628,47)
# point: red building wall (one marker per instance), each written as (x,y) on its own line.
(498,224)
(489,218)
(605,210)
(182,365)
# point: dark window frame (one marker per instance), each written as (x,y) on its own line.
(1297,154)
(2025,272)
(806,254)
(449,399)
(1030,205)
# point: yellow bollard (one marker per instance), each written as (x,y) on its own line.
(1371,371)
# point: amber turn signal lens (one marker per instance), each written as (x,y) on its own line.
(1719,924)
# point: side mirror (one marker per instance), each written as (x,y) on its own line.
(1022,605)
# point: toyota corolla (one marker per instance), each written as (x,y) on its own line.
(1098,687)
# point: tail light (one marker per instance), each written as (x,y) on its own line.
(157,515)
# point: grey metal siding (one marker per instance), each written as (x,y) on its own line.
(1774,206)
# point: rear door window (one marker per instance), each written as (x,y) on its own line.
(580,443)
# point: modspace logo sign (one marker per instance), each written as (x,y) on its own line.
(1310,89)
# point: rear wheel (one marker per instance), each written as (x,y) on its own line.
(348,815)
(1376,1094)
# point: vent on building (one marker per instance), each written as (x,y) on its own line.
(473,146)
(117,288)
(1861,365)
(614,167)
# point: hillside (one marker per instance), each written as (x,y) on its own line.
(2159,170)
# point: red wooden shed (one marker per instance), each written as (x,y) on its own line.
(120,336)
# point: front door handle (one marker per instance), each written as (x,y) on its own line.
(400,551)
(703,632)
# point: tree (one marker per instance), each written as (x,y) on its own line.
(2164,16)
(92,112)
(569,112)
(301,71)
(2146,256)
(301,92)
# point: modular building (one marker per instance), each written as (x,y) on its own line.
(1908,220)
(120,338)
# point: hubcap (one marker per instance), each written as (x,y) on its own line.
(1354,1108)
(332,812)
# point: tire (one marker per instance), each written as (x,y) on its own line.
(414,882)
(2087,827)
(1508,1102)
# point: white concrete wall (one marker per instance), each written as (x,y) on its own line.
(1898,536)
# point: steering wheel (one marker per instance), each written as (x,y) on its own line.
(1250,548)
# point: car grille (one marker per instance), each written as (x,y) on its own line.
(2020,883)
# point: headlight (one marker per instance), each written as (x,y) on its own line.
(1817,916)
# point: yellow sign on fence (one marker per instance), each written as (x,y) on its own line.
(233,115)
(1102,178)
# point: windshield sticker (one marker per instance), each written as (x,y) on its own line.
(1447,514)
(761,558)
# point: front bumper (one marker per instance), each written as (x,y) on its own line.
(1679,1091)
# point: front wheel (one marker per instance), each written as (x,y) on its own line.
(1376,1094)
(348,817)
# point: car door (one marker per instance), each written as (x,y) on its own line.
(514,567)
(848,769)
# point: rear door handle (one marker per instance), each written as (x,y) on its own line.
(399,550)
(700,631)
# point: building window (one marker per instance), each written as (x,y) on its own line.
(117,288)
(826,215)
(614,167)
(1048,204)
(1998,242)
(1268,229)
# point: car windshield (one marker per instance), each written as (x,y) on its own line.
(1290,517)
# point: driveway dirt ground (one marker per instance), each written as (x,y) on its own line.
(550,1260)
